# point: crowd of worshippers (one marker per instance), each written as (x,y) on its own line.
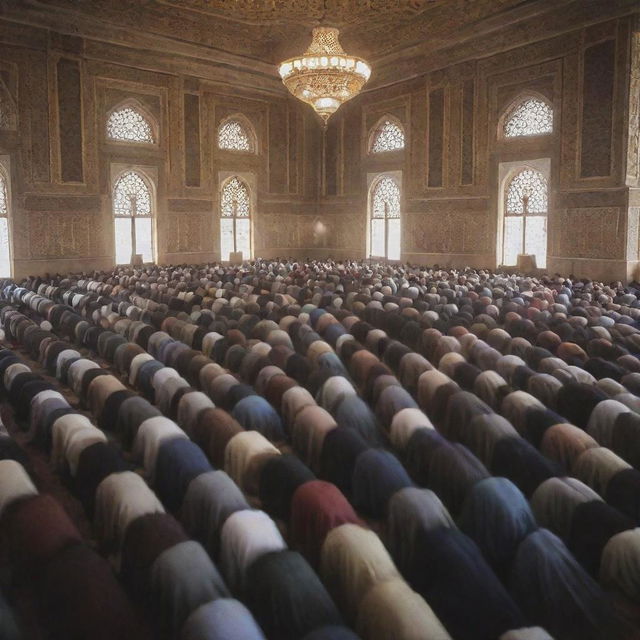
(325,451)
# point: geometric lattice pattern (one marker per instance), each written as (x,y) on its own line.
(388,137)
(131,196)
(385,219)
(531,117)
(129,125)
(133,218)
(525,221)
(233,135)
(527,189)
(235,201)
(235,223)
(386,199)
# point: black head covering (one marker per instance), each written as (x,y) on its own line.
(453,577)
(525,466)
(279,478)
(286,596)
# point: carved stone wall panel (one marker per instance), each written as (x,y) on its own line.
(293,148)
(8,97)
(306,236)
(570,117)
(69,90)
(190,232)
(192,144)
(436,139)
(34,91)
(349,230)
(597,232)
(467,146)
(633,135)
(448,233)
(332,139)
(432,234)
(352,134)
(477,233)
(597,109)
(417,153)
(277,149)
(62,235)
(633,229)
(276,230)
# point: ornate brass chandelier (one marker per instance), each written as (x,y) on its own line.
(325,76)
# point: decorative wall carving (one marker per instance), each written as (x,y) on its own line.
(369,26)
(459,232)
(458,217)
(589,233)
(349,231)
(276,230)
(436,137)
(188,233)
(8,116)
(467,132)
(633,229)
(308,12)
(597,109)
(633,148)
(60,235)
(70,120)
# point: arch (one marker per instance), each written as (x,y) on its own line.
(384,217)
(133,212)
(530,114)
(5,239)
(235,218)
(387,135)
(130,122)
(525,205)
(236,133)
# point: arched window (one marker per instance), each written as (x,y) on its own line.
(133,213)
(5,259)
(525,217)
(235,134)
(129,124)
(528,117)
(387,136)
(385,218)
(235,218)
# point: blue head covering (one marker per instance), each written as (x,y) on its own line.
(377,475)
(222,619)
(254,413)
(555,592)
(497,517)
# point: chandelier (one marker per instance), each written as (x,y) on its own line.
(325,76)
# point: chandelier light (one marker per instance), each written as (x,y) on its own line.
(325,76)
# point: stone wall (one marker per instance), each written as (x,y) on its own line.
(451,162)
(311,187)
(59,90)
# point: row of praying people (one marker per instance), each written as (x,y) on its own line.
(298,367)
(141,528)
(187,396)
(424,613)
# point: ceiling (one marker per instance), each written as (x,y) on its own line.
(307,12)
(271,30)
